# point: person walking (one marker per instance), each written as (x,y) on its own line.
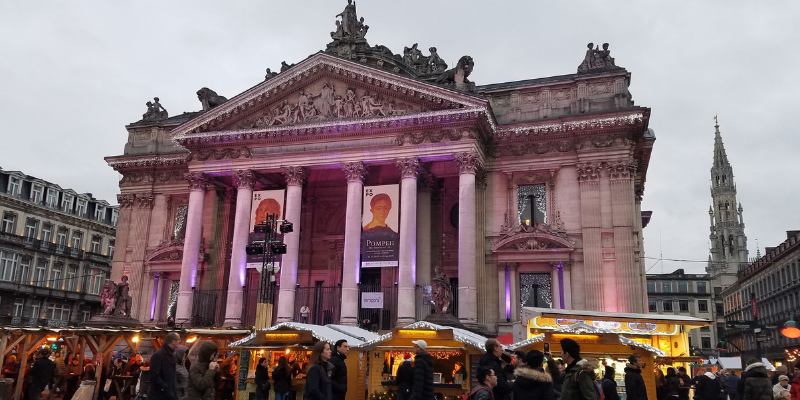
(707,386)
(282,378)
(487,381)
(422,389)
(405,378)
(262,380)
(41,374)
(731,384)
(162,370)
(318,382)
(492,359)
(204,374)
(757,385)
(609,384)
(634,383)
(339,373)
(181,372)
(531,382)
(578,375)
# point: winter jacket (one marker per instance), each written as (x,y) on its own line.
(777,391)
(60,366)
(162,375)
(282,379)
(143,384)
(423,377)
(532,384)
(609,386)
(338,376)
(202,379)
(731,385)
(181,373)
(685,386)
(672,386)
(42,372)
(757,385)
(404,380)
(578,381)
(503,389)
(481,392)
(318,384)
(634,384)
(795,388)
(707,387)
(262,382)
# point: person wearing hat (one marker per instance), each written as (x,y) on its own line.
(531,382)
(492,359)
(578,376)
(782,389)
(405,378)
(634,383)
(41,374)
(422,388)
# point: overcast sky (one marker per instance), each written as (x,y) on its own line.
(73,73)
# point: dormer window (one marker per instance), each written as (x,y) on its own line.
(14,186)
(66,203)
(37,193)
(100,213)
(52,198)
(114,217)
(80,209)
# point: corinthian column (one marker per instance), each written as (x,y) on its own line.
(468,164)
(241,227)
(590,280)
(406,304)
(295,176)
(191,245)
(352,242)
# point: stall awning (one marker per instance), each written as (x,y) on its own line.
(461,335)
(327,333)
(728,362)
(529,313)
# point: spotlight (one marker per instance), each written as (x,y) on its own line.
(253,249)
(278,248)
(287,227)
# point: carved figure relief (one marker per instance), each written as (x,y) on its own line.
(596,59)
(441,291)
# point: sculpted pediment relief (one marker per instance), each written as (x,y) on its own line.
(527,238)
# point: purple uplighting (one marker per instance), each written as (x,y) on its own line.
(155,294)
(508,294)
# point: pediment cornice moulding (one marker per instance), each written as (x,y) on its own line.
(146,161)
(637,118)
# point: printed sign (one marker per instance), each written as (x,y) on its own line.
(427,295)
(380,237)
(372,300)
(265,202)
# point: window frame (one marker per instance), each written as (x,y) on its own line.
(35,228)
(9,222)
(652,305)
(664,304)
(666,285)
(681,304)
(704,286)
(81,205)
(99,213)
(66,200)
(8,265)
(14,186)
(702,304)
(52,198)
(683,287)
(37,193)
(77,239)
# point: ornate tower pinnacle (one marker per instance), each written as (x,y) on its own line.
(728,242)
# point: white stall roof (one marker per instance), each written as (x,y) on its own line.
(460,335)
(327,333)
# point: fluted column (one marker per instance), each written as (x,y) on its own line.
(591,287)
(468,164)
(407,272)
(424,230)
(352,242)
(295,177)
(623,215)
(191,245)
(241,227)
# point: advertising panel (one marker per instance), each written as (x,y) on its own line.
(265,202)
(380,218)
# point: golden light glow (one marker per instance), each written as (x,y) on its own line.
(191,339)
(560,336)
(416,333)
(51,338)
(282,336)
(135,339)
(287,351)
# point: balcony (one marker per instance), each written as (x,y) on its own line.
(41,322)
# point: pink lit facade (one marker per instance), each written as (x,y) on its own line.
(524,193)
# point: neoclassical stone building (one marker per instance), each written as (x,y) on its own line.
(524,193)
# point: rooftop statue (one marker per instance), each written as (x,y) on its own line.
(350,26)
(270,74)
(596,59)
(210,98)
(155,112)
(115,298)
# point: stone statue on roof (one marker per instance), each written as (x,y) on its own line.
(155,112)
(597,60)
(350,21)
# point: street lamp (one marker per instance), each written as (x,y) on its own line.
(790,329)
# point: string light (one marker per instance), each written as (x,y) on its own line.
(526,342)
(631,342)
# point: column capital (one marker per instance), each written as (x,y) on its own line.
(244,179)
(624,169)
(355,171)
(468,162)
(295,176)
(145,200)
(409,167)
(125,200)
(589,171)
(197,180)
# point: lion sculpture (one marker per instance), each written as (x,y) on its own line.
(459,74)
(108,297)
(210,98)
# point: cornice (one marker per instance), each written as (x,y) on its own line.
(53,215)
(574,124)
(121,163)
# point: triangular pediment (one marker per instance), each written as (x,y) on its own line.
(327,90)
(531,238)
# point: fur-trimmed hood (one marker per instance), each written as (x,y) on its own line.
(757,368)
(588,364)
(710,375)
(526,375)
(632,368)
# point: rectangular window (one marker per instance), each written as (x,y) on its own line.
(110,248)
(94,280)
(80,208)
(52,198)
(701,287)
(720,309)
(66,203)
(100,213)
(77,239)
(651,305)
(19,304)
(96,243)
(114,217)
(683,287)
(683,305)
(35,308)
(705,342)
(8,266)
(667,305)
(55,277)
(84,316)
(666,287)
(71,283)
(9,219)
(40,273)
(58,312)
(531,204)
(651,287)
(717,291)
(47,233)
(702,305)
(37,193)
(31,228)
(14,186)
(62,237)
(24,271)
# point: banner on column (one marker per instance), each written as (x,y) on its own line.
(380,238)
(265,202)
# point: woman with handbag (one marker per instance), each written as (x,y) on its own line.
(262,380)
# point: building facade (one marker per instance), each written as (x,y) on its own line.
(56,247)
(774,281)
(728,254)
(521,193)
(685,294)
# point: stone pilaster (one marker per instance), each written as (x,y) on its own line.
(468,165)
(406,304)
(623,214)
(198,183)
(245,179)
(295,177)
(591,286)
(140,219)
(355,173)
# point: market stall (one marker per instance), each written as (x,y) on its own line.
(455,352)
(295,341)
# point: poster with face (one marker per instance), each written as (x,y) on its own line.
(265,202)
(380,232)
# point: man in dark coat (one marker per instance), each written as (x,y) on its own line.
(493,361)
(339,373)
(531,382)
(609,384)
(685,384)
(423,373)
(634,383)
(404,378)
(41,374)
(162,370)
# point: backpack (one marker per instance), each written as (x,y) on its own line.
(598,390)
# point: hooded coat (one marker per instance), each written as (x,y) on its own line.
(757,385)
(609,385)
(404,380)
(532,384)
(578,381)
(423,377)
(708,387)
(634,383)
(202,379)
(282,378)
(318,383)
